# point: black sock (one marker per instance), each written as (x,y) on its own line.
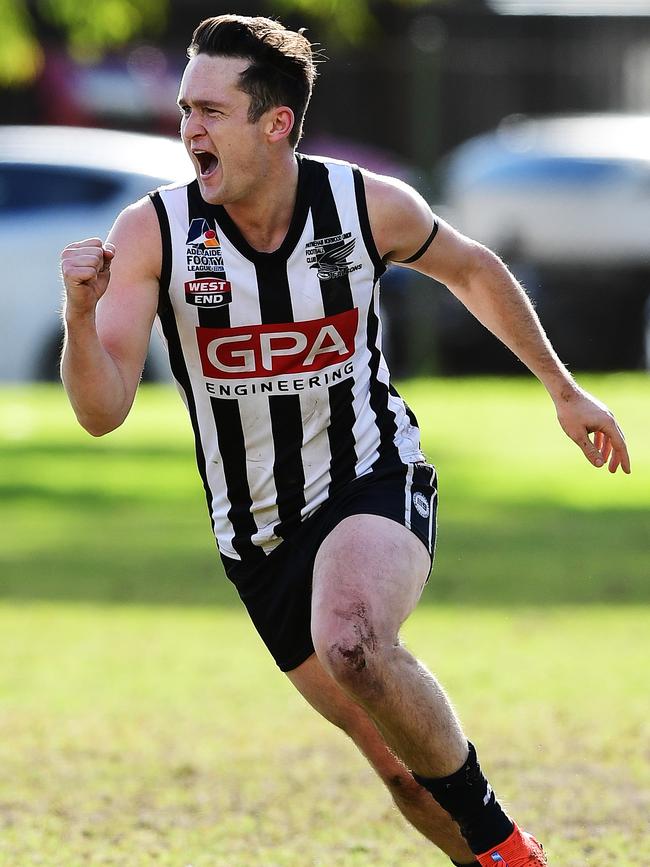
(468,798)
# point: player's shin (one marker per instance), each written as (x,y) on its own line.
(468,797)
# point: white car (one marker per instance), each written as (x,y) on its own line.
(58,185)
(566,201)
(571,190)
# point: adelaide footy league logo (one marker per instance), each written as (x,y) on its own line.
(204,258)
(331,255)
(203,247)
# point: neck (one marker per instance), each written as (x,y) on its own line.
(264,218)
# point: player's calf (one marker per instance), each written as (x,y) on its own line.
(493,837)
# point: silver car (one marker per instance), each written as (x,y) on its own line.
(57,185)
(566,201)
(557,190)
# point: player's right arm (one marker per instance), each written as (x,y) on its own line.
(111,298)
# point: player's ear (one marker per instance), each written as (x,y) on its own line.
(279,123)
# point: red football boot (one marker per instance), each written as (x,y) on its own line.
(518,850)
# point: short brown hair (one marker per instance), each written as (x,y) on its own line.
(282,69)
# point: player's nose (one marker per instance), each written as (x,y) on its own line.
(192,126)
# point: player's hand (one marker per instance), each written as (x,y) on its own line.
(85,266)
(592,426)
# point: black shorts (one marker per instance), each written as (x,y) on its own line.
(277,591)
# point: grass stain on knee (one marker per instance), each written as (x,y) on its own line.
(355,657)
(358,615)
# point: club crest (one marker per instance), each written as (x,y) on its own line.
(332,256)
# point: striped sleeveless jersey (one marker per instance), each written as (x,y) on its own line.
(277,356)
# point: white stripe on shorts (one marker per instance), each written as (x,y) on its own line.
(407,503)
(433,496)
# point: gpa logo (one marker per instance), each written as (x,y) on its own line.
(421,504)
(203,247)
(256,351)
(208,292)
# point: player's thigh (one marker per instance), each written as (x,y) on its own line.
(368,575)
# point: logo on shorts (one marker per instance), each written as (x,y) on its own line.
(421,504)
(203,248)
(330,255)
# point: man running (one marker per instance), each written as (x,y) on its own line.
(263,273)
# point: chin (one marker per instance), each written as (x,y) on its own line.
(211,196)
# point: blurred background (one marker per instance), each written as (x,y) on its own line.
(141,721)
(525,123)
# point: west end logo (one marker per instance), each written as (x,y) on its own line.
(208,292)
(203,248)
(330,255)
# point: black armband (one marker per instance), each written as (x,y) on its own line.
(422,249)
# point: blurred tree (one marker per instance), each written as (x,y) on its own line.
(342,19)
(90,31)
(91,28)
(21,57)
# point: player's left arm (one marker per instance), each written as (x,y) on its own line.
(402,223)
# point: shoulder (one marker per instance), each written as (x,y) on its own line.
(136,236)
(140,215)
(400,218)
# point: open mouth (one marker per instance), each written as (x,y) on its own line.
(207,162)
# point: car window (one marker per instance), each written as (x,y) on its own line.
(28,187)
(566,170)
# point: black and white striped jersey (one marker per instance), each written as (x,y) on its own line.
(277,356)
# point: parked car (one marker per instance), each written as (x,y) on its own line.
(566,202)
(57,185)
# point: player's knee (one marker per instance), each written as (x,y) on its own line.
(354,657)
(350,662)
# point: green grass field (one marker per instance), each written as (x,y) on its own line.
(141,722)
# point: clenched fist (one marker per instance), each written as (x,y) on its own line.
(85,266)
